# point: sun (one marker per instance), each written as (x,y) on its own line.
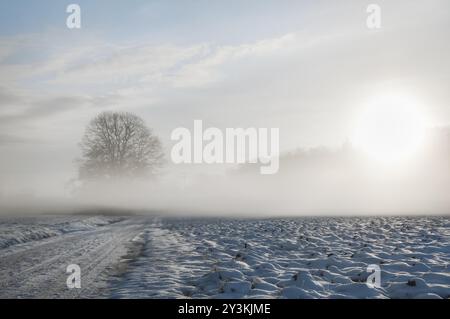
(390,129)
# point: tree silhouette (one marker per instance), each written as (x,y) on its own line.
(119,145)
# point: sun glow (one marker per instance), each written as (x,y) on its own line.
(391,129)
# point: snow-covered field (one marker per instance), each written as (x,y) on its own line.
(146,257)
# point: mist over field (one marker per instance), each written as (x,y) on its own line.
(341,181)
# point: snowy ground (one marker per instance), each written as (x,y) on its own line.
(37,251)
(137,257)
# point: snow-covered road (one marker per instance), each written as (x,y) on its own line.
(37,269)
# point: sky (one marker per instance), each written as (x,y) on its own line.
(306,67)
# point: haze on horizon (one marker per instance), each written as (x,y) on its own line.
(309,68)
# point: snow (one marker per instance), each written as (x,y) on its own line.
(291,258)
(34,266)
(15,231)
(148,257)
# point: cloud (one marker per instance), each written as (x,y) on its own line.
(39,108)
(9,98)
(102,67)
(7,139)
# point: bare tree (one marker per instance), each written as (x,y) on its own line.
(119,145)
